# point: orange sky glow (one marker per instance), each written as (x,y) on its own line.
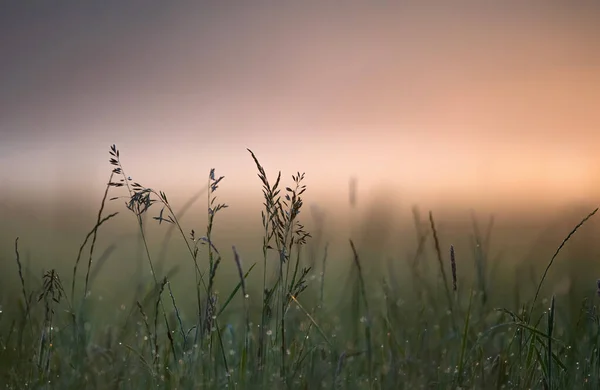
(493,106)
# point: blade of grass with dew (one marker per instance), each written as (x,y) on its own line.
(463,343)
(313,321)
(539,287)
(549,341)
(234,291)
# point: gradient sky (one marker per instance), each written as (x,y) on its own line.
(489,104)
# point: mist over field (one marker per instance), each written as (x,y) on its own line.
(490,110)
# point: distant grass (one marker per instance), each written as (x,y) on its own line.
(299,328)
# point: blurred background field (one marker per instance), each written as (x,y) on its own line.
(381,222)
(50,234)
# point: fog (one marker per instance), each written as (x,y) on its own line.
(490,109)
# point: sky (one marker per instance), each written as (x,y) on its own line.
(491,105)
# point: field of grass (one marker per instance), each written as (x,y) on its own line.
(292,318)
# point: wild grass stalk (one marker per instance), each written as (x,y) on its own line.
(550,356)
(247,328)
(367,317)
(440,261)
(481,252)
(161,258)
(281,227)
(27,299)
(463,342)
(139,202)
(322,279)
(21,279)
(442,270)
(268,216)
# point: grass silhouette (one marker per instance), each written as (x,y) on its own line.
(363,330)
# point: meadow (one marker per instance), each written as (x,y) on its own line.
(295,313)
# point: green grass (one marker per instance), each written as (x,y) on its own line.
(305,321)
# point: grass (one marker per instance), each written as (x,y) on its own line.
(299,328)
